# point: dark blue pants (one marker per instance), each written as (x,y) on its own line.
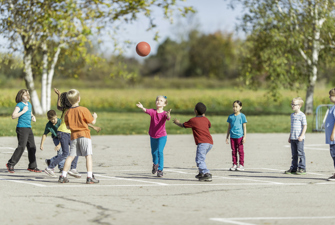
(298,155)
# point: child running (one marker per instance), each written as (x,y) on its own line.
(25,136)
(237,129)
(296,138)
(200,126)
(157,132)
(76,119)
(330,129)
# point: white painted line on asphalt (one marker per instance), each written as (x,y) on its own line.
(237,220)
(23,182)
(129,179)
(7,148)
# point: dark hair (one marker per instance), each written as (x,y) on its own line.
(18,97)
(64,103)
(238,102)
(200,107)
(51,114)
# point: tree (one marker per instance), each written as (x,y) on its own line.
(286,39)
(32,26)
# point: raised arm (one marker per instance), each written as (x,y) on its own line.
(139,105)
(58,99)
(176,121)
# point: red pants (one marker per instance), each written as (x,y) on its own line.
(237,145)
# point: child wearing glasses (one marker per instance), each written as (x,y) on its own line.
(296,138)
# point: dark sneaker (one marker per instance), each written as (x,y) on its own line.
(35,170)
(206,177)
(301,172)
(47,161)
(199,175)
(159,173)
(332,178)
(154,168)
(92,180)
(63,179)
(10,168)
(290,171)
(60,170)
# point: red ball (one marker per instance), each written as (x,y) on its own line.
(143,48)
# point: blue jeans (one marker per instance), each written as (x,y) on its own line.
(332,152)
(64,139)
(297,149)
(157,147)
(202,150)
(59,153)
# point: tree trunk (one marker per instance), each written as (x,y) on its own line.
(44,78)
(28,77)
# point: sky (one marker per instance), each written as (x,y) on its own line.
(211,16)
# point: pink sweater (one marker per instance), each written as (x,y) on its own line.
(157,123)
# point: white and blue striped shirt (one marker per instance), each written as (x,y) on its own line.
(297,124)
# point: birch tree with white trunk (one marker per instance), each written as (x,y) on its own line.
(286,39)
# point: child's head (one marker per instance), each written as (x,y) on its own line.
(52,116)
(161,101)
(332,95)
(237,106)
(22,95)
(297,103)
(200,108)
(73,96)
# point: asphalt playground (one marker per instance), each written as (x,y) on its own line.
(129,194)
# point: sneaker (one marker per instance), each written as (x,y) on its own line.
(92,180)
(47,161)
(154,168)
(35,170)
(10,168)
(50,172)
(74,173)
(61,170)
(159,173)
(332,178)
(301,172)
(206,177)
(240,168)
(63,179)
(233,168)
(290,171)
(199,175)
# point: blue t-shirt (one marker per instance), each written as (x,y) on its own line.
(298,121)
(236,125)
(329,125)
(25,119)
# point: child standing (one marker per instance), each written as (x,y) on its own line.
(296,138)
(237,129)
(76,119)
(52,127)
(157,132)
(200,126)
(25,136)
(330,129)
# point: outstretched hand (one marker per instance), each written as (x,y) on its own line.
(176,121)
(139,105)
(57,91)
(168,113)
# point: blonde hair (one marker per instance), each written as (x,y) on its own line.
(19,95)
(73,96)
(332,92)
(162,96)
(299,100)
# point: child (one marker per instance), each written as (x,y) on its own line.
(200,126)
(237,129)
(52,127)
(76,119)
(296,138)
(330,129)
(25,136)
(157,132)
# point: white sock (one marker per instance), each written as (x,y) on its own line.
(64,173)
(89,174)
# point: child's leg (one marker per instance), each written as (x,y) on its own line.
(89,163)
(332,152)
(161,145)
(240,151)
(63,138)
(233,144)
(74,163)
(154,149)
(31,147)
(22,138)
(67,165)
(202,150)
(294,151)
(301,155)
